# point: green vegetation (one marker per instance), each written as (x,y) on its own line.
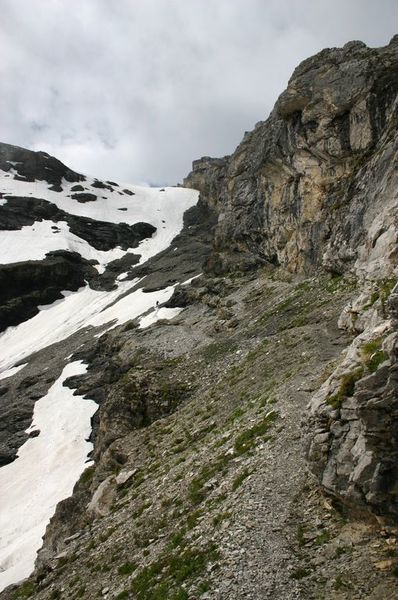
(247,440)
(81,591)
(193,518)
(163,579)
(382,292)
(196,491)
(217,519)
(300,573)
(322,538)
(300,534)
(122,595)
(340,550)
(239,479)
(26,590)
(177,539)
(373,355)
(340,583)
(217,350)
(236,414)
(127,568)
(87,475)
(346,389)
(203,587)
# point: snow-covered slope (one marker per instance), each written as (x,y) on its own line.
(48,465)
(163,208)
(44,473)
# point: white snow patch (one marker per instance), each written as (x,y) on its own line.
(131,307)
(146,205)
(12,371)
(122,276)
(44,473)
(84,308)
(33,242)
(157,315)
(53,323)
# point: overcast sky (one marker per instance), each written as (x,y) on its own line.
(134,90)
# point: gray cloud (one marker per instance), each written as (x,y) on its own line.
(135,90)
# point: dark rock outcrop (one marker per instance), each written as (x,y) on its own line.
(84,197)
(101,235)
(26,285)
(32,166)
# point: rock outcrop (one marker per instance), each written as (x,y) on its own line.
(353,441)
(314,186)
(32,166)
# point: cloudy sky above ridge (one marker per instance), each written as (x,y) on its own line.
(134,90)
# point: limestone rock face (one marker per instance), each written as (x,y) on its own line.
(313,186)
(353,442)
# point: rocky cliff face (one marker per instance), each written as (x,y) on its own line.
(314,186)
(281,367)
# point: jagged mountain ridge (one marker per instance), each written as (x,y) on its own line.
(197,439)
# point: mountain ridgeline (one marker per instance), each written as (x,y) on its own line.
(240,337)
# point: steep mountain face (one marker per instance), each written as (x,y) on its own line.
(314,186)
(241,348)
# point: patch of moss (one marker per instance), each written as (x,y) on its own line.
(26,590)
(373,355)
(239,479)
(247,440)
(127,568)
(346,389)
(163,579)
(196,491)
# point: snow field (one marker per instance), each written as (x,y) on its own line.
(48,465)
(44,473)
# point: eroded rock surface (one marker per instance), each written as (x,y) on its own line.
(315,185)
